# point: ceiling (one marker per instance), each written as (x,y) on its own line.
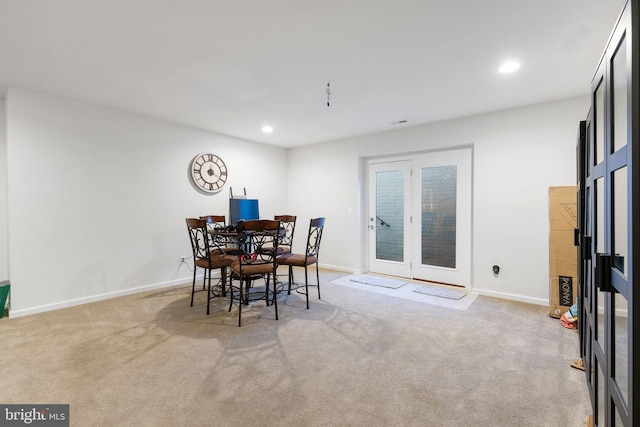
(233,66)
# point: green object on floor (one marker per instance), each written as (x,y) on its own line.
(5,287)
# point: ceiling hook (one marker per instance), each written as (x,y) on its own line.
(328,95)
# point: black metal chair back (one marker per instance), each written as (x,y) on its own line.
(206,257)
(310,256)
(256,259)
(216,222)
(314,237)
(288,223)
(199,238)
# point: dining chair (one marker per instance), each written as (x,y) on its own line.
(217,222)
(207,257)
(287,228)
(310,257)
(255,260)
(288,223)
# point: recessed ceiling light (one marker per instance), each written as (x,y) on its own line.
(267,129)
(509,67)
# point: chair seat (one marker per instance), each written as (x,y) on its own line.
(217,261)
(296,260)
(250,270)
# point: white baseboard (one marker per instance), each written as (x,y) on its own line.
(513,297)
(341,268)
(537,301)
(107,295)
(98,297)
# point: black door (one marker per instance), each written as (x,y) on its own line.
(609,183)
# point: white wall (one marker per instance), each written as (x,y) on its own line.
(4,247)
(97,198)
(518,155)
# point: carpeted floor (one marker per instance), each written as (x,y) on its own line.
(356,358)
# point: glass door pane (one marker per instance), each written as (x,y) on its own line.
(390,215)
(598,109)
(621,347)
(599,235)
(587,269)
(619,83)
(438,188)
(601,397)
(599,230)
(620,223)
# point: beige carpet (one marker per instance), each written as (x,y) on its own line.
(356,358)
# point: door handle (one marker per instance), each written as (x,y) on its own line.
(603,272)
(586,247)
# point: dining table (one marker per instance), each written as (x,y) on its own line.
(234,242)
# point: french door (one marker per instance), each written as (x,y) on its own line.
(390,218)
(420,217)
(609,186)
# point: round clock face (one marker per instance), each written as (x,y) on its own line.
(209,172)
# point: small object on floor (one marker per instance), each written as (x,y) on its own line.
(588,422)
(448,292)
(569,321)
(384,282)
(578,364)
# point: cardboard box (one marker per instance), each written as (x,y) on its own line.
(563,254)
(563,208)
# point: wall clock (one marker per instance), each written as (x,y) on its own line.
(209,172)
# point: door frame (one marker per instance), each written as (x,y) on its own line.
(367,162)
